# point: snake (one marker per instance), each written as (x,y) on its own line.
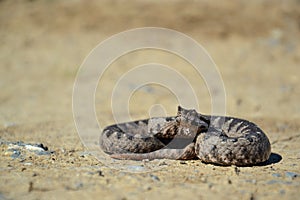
(219,140)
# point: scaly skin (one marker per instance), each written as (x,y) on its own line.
(189,135)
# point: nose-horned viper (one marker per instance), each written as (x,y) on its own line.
(213,139)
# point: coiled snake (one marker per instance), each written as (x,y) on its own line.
(189,135)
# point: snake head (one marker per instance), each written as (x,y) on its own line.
(190,117)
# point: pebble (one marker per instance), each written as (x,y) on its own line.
(37,147)
(135,168)
(15,154)
(253,181)
(276,175)
(27,163)
(18,147)
(155,178)
(183,162)
(40,153)
(291,175)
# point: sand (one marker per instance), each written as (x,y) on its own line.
(255,47)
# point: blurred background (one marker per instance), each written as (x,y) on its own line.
(255,45)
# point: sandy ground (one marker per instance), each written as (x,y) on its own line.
(43,43)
